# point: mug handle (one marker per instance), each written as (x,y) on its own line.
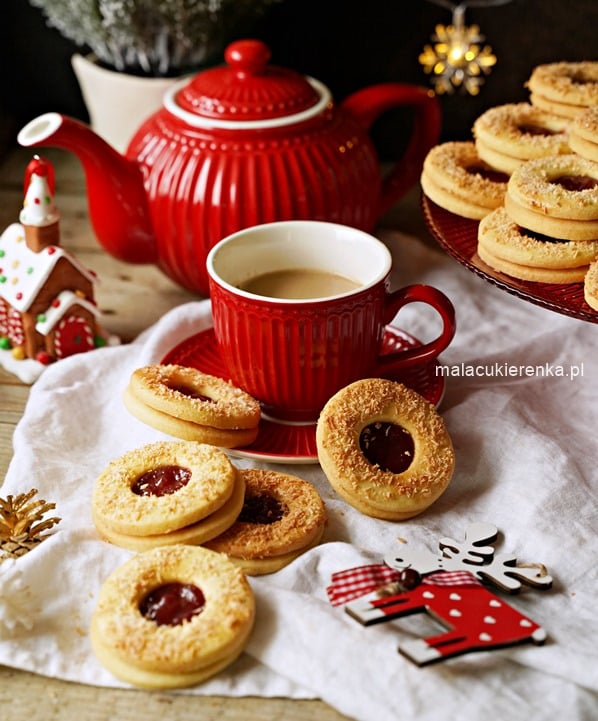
(418,293)
(369,103)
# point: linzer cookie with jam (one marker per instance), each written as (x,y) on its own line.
(282,517)
(166,493)
(172,617)
(194,406)
(384,449)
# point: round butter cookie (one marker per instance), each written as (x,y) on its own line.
(282,517)
(162,487)
(172,617)
(590,285)
(187,430)
(556,196)
(505,239)
(191,395)
(507,135)
(384,448)
(458,180)
(194,534)
(564,88)
(583,135)
(526,272)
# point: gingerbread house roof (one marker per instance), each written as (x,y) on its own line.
(24,272)
(63,302)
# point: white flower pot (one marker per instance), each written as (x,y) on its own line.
(117,103)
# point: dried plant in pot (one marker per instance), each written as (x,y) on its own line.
(133,50)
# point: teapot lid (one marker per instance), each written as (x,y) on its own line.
(247,92)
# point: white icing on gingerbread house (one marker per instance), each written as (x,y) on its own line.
(38,207)
(42,286)
(23,272)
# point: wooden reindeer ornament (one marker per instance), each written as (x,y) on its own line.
(449,586)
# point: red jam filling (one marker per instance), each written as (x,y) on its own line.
(161,481)
(264,509)
(189,392)
(388,446)
(494,176)
(172,603)
(576,182)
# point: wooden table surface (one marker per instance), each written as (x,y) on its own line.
(131,298)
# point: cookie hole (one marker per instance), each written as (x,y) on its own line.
(495,176)
(188,392)
(581,78)
(540,236)
(263,509)
(161,481)
(388,446)
(530,129)
(172,604)
(575,182)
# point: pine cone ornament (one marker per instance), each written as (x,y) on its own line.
(22,523)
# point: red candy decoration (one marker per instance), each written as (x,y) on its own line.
(43,358)
(39,166)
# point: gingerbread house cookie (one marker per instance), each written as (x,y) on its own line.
(47,305)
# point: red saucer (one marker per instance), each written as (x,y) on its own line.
(281,442)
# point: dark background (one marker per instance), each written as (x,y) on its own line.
(347,45)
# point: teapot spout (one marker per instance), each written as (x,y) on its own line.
(117,200)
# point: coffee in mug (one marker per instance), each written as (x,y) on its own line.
(299,283)
(294,353)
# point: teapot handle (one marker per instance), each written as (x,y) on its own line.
(369,103)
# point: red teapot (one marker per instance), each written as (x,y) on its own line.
(234,146)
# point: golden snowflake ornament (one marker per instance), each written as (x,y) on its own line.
(22,523)
(457,60)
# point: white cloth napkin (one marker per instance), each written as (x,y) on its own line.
(525,447)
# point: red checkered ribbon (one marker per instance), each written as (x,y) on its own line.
(355,582)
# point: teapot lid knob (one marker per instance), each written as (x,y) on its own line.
(247,57)
(246,89)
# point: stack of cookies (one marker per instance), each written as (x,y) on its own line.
(183,492)
(185,403)
(564,88)
(583,134)
(508,135)
(172,617)
(165,493)
(456,178)
(282,517)
(530,176)
(548,228)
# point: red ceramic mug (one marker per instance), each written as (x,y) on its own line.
(293,353)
